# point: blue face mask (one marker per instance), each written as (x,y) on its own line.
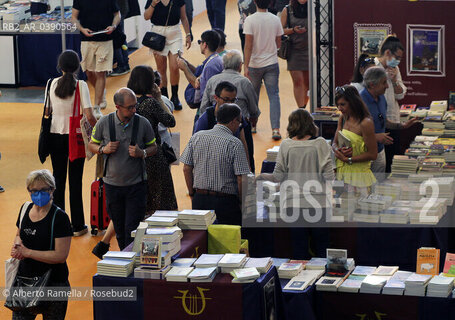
(41,198)
(393,63)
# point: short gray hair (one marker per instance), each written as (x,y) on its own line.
(119,96)
(42,175)
(373,75)
(232,60)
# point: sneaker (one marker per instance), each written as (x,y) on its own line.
(1,189)
(80,232)
(97,112)
(276,134)
(103,104)
(177,105)
(253,130)
(119,71)
(100,249)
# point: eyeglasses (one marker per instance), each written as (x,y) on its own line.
(38,190)
(130,108)
(200,41)
(229,100)
(397,57)
(381,119)
(340,90)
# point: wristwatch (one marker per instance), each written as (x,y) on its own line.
(101,150)
(349,160)
(145,154)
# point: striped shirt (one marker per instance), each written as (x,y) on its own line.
(217,158)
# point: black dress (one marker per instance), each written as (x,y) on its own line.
(160,193)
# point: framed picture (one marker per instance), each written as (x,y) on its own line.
(425,50)
(368,38)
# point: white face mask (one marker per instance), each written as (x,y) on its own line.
(394,62)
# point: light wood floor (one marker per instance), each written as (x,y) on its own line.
(18,145)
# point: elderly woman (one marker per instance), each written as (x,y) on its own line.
(43,241)
(303,157)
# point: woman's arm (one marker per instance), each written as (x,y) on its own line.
(186,26)
(59,255)
(367,127)
(148,13)
(86,105)
(284,22)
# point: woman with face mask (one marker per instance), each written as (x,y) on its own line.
(42,241)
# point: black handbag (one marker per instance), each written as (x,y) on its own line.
(37,297)
(169,153)
(32,302)
(286,43)
(154,40)
(44,146)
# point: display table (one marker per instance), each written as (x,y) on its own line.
(220,299)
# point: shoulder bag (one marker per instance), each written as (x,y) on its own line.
(44,146)
(36,285)
(76,145)
(156,41)
(286,44)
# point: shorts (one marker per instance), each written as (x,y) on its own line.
(174,41)
(97,56)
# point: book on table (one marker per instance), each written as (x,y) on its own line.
(143,272)
(416,284)
(115,267)
(166,213)
(125,255)
(326,283)
(151,251)
(232,260)
(289,270)
(138,235)
(161,221)
(395,285)
(363,270)
(449,262)
(263,265)
(428,261)
(385,270)
(440,286)
(297,284)
(178,274)
(183,262)
(203,274)
(208,260)
(373,283)
(352,283)
(316,263)
(245,275)
(337,260)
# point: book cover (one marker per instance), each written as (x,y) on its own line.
(151,251)
(296,284)
(449,262)
(343,141)
(428,261)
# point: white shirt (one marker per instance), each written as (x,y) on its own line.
(393,108)
(264,27)
(62,109)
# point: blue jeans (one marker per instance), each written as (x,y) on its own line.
(270,75)
(126,208)
(216,11)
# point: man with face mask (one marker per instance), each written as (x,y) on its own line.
(391,53)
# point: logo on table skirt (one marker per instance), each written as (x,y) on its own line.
(196,303)
(377,316)
(196,252)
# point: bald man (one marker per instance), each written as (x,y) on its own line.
(125,175)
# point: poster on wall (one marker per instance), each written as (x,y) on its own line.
(368,38)
(425,50)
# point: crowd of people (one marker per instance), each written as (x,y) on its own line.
(131,140)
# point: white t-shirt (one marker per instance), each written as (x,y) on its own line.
(264,27)
(62,109)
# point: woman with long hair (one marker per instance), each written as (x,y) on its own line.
(161,194)
(363,63)
(61,97)
(165,16)
(298,67)
(355,124)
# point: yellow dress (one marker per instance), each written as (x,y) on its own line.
(357,174)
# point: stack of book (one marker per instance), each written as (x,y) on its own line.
(345,205)
(426,211)
(419,177)
(395,285)
(388,188)
(370,207)
(316,264)
(179,274)
(416,152)
(208,260)
(245,275)
(424,142)
(420,113)
(196,219)
(272,153)
(327,283)
(355,279)
(432,132)
(155,221)
(432,165)
(277,262)
(232,261)
(434,120)
(143,272)
(115,267)
(440,286)
(438,105)
(446,188)
(304,279)
(416,284)
(396,215)
(373,284)
(410,192)
(203,274)
(289,270)
(404,165)
(262,265)
(183,262)
(166,213)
